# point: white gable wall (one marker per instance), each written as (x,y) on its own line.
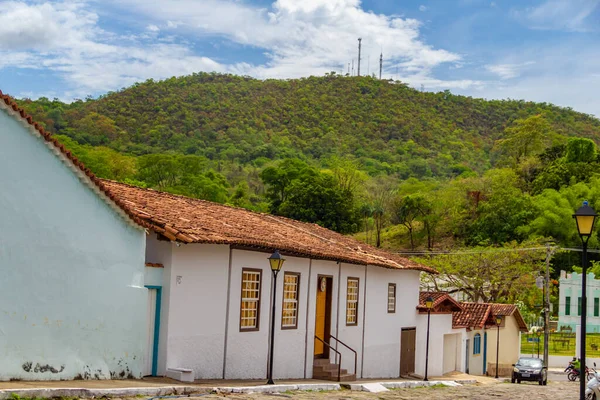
(71,294)
(383,329)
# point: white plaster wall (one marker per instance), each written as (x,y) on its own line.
(383,329)
(72,301)
(320,267)
(441,325)
(476,361)
(351,334)
(197,308)
(509,342)
(153,276)
(290,344)
(160,251)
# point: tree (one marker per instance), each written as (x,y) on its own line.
(318,199)
(279,178)
(406,210)
(581,150)
(488,274)
(526,137)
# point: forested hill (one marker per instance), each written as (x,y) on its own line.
(388,127)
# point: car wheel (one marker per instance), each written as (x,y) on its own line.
(541,382)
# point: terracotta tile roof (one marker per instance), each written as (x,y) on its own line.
(84,174)
(473,315)
(442,302)
(480,315)
(508,310)
(190,220)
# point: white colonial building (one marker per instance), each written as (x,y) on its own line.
(569,304)
(105,280)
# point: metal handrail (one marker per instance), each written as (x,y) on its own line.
(349,348)
(338,353)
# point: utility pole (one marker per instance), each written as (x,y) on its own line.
(549,252)
(380,64)
(359,40)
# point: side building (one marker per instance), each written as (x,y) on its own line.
(569,303)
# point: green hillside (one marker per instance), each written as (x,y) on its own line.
(408,169)
(388,127)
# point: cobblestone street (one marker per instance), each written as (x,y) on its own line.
(554,390)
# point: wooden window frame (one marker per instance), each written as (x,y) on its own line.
(392,311)
(258,304)
(297,275)
(352,278)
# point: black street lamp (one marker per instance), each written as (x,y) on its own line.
(585,217)
(276,262)
(498,323)
(429,305)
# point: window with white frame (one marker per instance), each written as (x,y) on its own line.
(391,307)
(250,300)
(352,302)
(289,313)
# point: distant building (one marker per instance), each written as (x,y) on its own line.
(569,304)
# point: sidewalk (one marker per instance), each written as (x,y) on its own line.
(167,386)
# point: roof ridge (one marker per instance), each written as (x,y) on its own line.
(84,173)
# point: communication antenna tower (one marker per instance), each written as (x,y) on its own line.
(359,40)
(380,64)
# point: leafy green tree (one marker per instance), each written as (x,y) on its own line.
(318,199)
(581,150)
(488,274)
(280,177)
(526,137)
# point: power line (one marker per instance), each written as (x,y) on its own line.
(452,253)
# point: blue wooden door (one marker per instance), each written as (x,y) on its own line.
(484,352)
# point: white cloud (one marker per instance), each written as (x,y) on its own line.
(307,37)
(508,71)
(565,15)
(422,8)
(304,38)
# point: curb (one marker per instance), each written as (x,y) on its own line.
(89,393)
(49,393)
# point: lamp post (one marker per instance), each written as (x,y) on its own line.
(429,305)
(276,262)
(498,323)
(585,217)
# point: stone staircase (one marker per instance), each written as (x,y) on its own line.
(324,369)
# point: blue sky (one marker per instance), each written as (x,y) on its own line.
(542,50)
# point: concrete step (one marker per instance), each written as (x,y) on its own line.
(321,361)
(347,378)
(326,368)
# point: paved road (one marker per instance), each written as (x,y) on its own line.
(524,391)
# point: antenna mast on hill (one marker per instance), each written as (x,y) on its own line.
(348,68)
(352,67)
(359,40)
(380,64)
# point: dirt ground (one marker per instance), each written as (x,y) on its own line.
(554,390)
